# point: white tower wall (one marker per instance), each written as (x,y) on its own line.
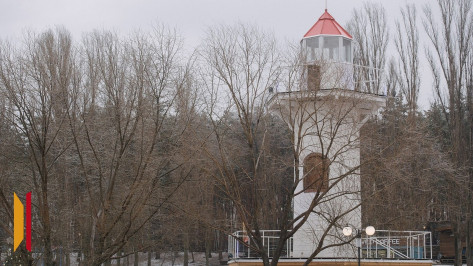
(332,123)
(343,196)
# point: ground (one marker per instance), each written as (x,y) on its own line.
(167,259)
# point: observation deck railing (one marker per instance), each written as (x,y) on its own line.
(385,244)
(240,245)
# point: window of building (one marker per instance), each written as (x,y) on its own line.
(347,50)
(331,47)
(312,45)
(316,172)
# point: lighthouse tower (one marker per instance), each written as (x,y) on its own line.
(326,113)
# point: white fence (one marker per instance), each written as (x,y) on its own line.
(331,75)
(385,244)
(398,245)
(240,245)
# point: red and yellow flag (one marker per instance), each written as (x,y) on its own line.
(19,221)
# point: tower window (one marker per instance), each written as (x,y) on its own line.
(316,172)
(331,47)
(347,49)
(312,47)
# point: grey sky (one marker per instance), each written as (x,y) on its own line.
(288,19)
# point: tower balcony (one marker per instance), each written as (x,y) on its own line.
(327,74)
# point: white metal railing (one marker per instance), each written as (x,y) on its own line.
(398,244)
(391,250)
(386,244)
(240,245)
(334,74)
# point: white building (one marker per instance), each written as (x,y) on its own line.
(327,113)
(325,110)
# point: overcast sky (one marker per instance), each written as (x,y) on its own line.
(288,19)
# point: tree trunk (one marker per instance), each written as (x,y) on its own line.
(120,253)
(48,255)
(207,261)
(208,251)
(79,257)
(68,258)
(135,262)
(458,249)
(469,248)
(186,248)
(149,258)
(173,256)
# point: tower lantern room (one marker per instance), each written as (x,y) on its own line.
(327,40)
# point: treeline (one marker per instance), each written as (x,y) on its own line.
(423,177)
(118,148)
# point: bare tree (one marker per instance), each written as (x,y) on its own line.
(37,81)
(243,63)
(407,46)
(392,82)
(98,126)
(409,179)
(448,57)
(126,129)
(370,32)
(469,130)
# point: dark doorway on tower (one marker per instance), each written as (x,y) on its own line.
(316,172)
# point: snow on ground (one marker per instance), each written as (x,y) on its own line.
(167,259)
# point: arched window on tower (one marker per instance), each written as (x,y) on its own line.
(316,172)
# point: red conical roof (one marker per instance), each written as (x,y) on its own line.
(326,25)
